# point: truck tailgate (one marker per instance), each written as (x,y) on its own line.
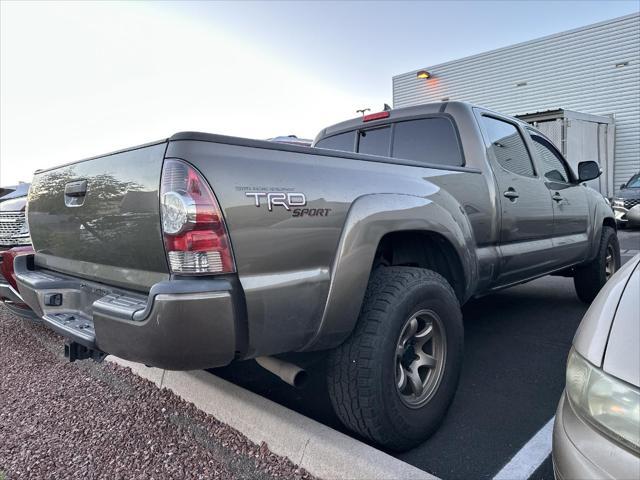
(100,218)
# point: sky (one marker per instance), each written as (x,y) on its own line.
(80,79)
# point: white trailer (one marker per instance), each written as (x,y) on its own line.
(580,137)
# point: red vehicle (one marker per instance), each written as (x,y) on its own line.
(9,295)
(14,241)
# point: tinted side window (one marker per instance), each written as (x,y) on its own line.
(343,141)
(508,146)
(552,164)
(429,140)
(375,141)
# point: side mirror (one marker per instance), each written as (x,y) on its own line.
(623,186)
(588,171)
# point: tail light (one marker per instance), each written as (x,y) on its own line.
(195,235)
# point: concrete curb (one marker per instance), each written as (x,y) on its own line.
(320,450)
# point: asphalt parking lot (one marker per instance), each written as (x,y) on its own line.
(517,342)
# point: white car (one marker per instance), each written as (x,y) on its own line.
(597,425)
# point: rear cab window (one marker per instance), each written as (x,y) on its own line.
(344,142)
(375,141)
(430,140)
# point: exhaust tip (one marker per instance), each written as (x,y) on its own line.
(287,372)
(300,379)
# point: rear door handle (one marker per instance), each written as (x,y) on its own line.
(511,194)
(557,197)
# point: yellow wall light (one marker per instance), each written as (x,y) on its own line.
(423,74)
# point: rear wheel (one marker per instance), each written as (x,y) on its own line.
(394,378)
(589,279)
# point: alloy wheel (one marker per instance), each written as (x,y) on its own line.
(420,358)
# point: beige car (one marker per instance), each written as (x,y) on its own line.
(597,425)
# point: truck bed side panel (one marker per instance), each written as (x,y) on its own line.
(284,261)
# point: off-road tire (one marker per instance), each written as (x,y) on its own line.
(361,372)
(590,278)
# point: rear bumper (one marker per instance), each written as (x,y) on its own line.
(180,325)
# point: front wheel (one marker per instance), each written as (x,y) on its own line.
(393,380)
(590,278)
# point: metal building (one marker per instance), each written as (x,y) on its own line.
(590,70)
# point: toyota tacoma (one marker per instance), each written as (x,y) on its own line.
(200,250)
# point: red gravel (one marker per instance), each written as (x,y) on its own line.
(89,420)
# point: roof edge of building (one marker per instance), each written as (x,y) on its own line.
(521,44)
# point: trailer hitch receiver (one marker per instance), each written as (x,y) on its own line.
(74,351)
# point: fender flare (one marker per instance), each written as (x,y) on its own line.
(369,219)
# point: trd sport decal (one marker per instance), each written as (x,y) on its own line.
(290,201)
(278,199)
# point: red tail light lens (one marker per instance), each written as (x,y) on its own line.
(195,235)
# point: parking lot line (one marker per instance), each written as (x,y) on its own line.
(530,457)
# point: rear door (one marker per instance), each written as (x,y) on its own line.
(526,212)
(569,199)
(100,218)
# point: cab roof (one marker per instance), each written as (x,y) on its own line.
(396,114)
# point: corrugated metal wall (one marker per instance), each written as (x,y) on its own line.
(594,69)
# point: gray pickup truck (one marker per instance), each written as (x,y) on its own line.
(201,250)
